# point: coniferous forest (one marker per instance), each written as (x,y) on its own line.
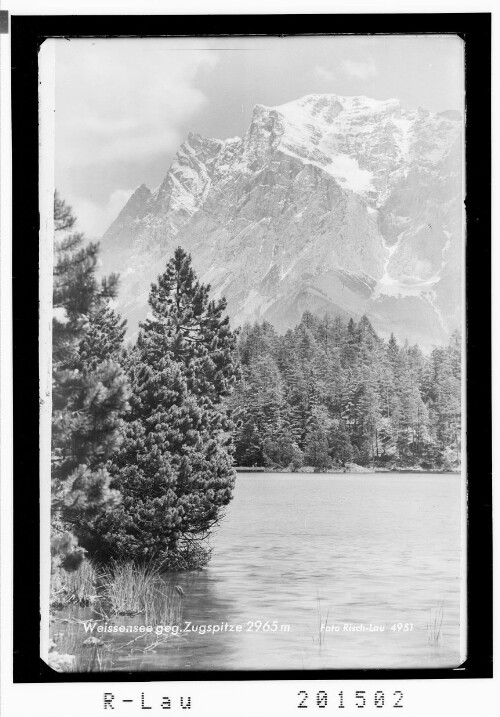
(145,436)
(329,393)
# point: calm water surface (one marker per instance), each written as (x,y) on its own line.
(332,550)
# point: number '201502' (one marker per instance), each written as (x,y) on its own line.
(361,699)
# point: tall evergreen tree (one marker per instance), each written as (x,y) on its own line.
(316,442)
(340,447)
(89,389)
(174,468)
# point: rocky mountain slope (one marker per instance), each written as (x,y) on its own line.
(345,205)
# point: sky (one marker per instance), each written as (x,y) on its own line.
(124,106)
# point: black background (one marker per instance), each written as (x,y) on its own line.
(28,33)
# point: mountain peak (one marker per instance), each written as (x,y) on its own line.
(322,102)
(343,205)
(142,190)
(137,199)
(135,207)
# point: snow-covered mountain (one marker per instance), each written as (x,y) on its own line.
(345,205)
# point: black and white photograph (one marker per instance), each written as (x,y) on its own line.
(256,272)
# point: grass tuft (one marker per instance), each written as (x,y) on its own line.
(130,587)
(79,587)
(435,625)
(319,613)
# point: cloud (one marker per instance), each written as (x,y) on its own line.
(323,74)
(122,98)
(120,106)
(360,70)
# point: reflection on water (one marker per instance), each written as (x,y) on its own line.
(354,553)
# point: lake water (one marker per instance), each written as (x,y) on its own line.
(351,553)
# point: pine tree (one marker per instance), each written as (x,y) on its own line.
(367,414)
(103,339)
(193,330)
(340,447)
(247,439)
(316,443)
(174,469)
(263,409)
(280,450)
(89,394)
(350,348)
(445,401)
